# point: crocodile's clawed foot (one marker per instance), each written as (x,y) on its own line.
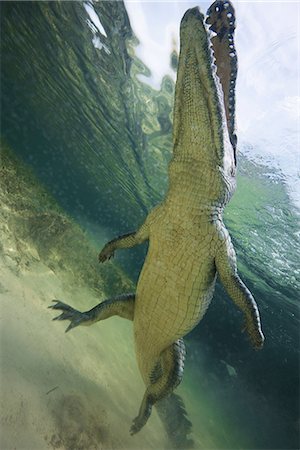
(106,253)
(255,335)
(137,425)
(68,313)
(143,416)
(257,340)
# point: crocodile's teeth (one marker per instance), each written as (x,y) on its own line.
(221,21)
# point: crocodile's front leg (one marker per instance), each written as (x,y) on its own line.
(126,241)
(240,294)
(122,306)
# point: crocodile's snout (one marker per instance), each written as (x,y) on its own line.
(204,125)
(193,31)
(216,15)
(199,119)
(192,14)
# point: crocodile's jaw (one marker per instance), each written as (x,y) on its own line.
(200,130)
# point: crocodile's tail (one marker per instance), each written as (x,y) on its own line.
(173,415)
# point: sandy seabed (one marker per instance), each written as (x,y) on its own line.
(75,391)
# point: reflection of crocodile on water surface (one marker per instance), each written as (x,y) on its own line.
(188,242)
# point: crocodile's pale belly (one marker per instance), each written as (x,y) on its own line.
(175,287)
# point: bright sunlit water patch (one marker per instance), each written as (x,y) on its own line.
(94,17)
(96,27)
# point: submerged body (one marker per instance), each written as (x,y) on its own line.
(188,242)
(180,268)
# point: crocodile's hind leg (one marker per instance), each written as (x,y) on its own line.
(165,376)
(122,305)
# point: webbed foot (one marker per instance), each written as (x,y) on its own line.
(68,313)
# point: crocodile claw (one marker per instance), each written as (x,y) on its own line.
(68,313)
(106,253)
(141,420)
(135,427)
(255,335)
(61,305)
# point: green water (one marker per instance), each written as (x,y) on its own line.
(99,140)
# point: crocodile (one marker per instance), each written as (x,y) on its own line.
(189,244)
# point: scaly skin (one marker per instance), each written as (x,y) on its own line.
(188,242)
